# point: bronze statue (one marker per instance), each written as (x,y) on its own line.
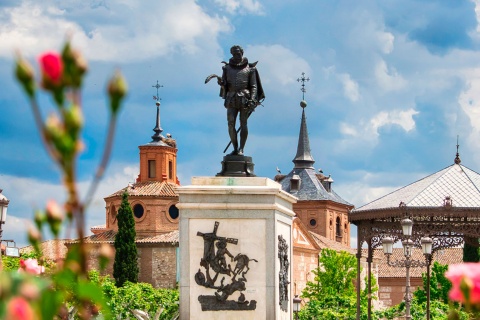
(242,90)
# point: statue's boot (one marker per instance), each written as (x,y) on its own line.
(233,138)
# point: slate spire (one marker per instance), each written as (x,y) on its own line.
(303,159)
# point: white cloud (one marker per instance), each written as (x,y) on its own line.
(241,6)
(350,87)
(388,78)
(368,130)
(385,41)
(269,57)
(165,27)
(403,118)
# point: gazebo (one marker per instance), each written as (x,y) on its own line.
(444,206)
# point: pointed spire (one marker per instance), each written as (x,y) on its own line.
(457,157)
(303,159)
(158,129)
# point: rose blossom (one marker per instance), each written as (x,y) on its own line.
(19,309)
(52,67)
(464,276)
(31,266)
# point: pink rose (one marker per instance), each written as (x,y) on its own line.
(31,266)
(52,68)
(19,309)
(465,278)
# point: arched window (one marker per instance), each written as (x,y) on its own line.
(338,227)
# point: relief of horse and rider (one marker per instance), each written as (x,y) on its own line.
(217,261)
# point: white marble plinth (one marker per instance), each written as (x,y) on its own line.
(251,213)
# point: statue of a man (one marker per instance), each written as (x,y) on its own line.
(243,92)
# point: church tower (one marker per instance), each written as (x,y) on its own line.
(153,196)
(320,209)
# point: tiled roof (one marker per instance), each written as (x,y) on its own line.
(102,226)
(171,237)
(51,249)
(447,256)
(457,181)
(109,237)
(149,188)
(325,243)
(311,188)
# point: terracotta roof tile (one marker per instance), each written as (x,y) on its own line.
(149,188)
(109,237)
(324,243)
(171,237)
(447,256)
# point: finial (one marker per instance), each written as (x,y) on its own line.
(457,157)
(158,129)
(303,80)
(158,86)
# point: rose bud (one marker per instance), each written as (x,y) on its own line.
(51,66)
(25,75)
(117,89)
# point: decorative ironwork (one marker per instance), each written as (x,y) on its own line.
(283,273)
(448,226)
(303,80)
(215,261)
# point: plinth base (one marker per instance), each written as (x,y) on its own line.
(237,166)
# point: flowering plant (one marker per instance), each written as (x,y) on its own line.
(465,279)
(29,293)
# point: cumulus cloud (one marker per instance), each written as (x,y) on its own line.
(388,78)
(241,6)
(350,87)
(368,129)
(269,57)
(165,27)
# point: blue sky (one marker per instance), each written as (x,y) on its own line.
(392,85)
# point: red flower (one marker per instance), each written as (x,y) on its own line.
(19,309)
(465,279)
(51,66)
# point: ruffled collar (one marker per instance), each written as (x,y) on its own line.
(239,65)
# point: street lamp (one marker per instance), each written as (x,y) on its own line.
(408,263)
(296,305)
(3,216)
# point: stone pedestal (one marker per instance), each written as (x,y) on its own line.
(235,249)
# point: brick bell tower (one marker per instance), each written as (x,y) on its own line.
(153,196)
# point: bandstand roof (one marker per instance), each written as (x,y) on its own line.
(458,183)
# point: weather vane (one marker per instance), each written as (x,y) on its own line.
(303,80)
(158,86)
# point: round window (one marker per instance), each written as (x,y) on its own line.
(173,212)
(313,222)
(138,210)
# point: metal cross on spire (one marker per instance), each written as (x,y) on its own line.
(158,86)
(303,80)
(457,156)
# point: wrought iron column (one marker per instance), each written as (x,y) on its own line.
(359,283)
(427,289)
(369,277)
(407,289)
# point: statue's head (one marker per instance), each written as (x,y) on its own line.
(237,52)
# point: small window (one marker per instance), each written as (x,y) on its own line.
(313,222)
(152,172)
(138,211)
(173,212)
(170,169)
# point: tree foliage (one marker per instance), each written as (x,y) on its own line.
(125,267)
(470,253)
(137,296)
(332,294)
